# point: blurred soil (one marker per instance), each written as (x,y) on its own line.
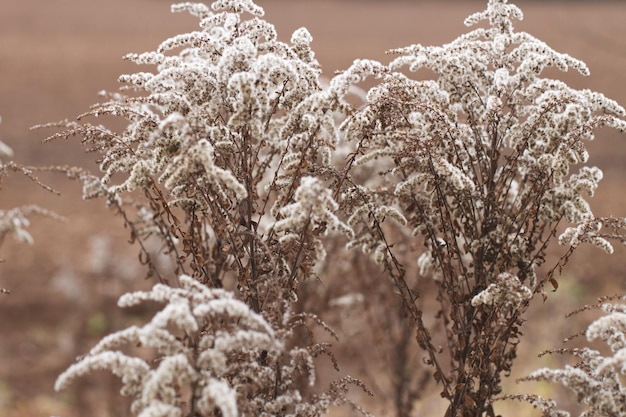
(56,55)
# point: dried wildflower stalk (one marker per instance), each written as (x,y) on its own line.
(597,380)
(476,164)
(223,141)
(216,357)
(220,161)
(15,221)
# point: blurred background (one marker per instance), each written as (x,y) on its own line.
(56,55)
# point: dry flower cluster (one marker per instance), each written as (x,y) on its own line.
(477,165)
(216,356)
(243,166)
(220,162)
(597,380)
(15,221)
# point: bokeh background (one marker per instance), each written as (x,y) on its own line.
(55,55)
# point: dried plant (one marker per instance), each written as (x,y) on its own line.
(15,221)
(476,164)
(216,357)
(597,380)
(238,161)
(220,162)
(225,135)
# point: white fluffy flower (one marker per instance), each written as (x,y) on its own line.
(506,292)
(313,207)
(225,327)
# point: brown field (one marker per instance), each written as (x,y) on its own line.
(56,55)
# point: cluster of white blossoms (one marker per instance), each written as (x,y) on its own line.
(484,163)
(221,99)
(231,129)
(480,157)
(15,221)
(597,380)
(226,128)
(313,209)
(211,348)
(588,230)
(213,352)
(505,294)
